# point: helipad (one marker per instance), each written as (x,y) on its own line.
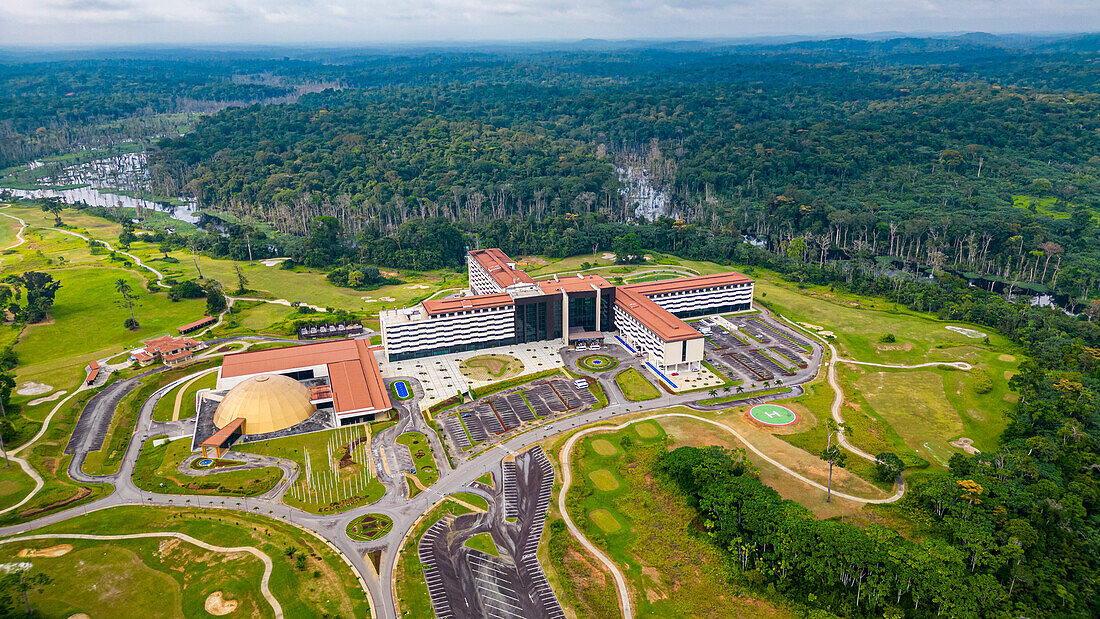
(773,414)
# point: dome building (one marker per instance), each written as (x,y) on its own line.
(266,403)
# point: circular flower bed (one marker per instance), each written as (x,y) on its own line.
(597,363)
(369,527)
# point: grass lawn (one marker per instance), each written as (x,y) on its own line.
(409,585)
(486,479)
(635,387)
(47,457)
(165,406)
(14,484)
(483,542)
(473,499)
(88,315)
(157,470)
(427,471)
(643,524)
(491,367)
(352,469)
(160,578)
(334,591)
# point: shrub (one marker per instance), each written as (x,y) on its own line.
(887,339)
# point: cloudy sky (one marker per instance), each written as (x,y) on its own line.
(114,22)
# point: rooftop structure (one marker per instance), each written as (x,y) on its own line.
(266,403)
(507,306)
(348,367)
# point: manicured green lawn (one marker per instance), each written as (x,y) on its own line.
(165,406)
(427,471)
(335,591)
(635,387)
(473,499)
(352,472)
(644,525)
(483,542)
(14,484)
(88,315)
(174,582)
(156,471)
(409,585)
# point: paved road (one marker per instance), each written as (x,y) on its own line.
(394,504)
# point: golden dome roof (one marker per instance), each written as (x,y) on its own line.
(268,402)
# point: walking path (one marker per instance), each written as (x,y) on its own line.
(565,458)
(265,580)
(19,240)
(183,388)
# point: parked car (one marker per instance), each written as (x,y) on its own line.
(594,347)
(582,347)
(580,383)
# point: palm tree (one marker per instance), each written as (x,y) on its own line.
(778,382)
(726,388)
(123,288)
(767,384)
(713,392)
(740,389)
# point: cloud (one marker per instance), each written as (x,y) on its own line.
(291,21)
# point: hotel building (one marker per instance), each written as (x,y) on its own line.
(507,307)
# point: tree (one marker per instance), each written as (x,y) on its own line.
(888,466)
(215,298)
(242,281)
(41,288)
(627,248)
(833,454)
(123,288)
(53,206)
(712,393)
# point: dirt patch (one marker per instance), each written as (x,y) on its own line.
(965,444)
(1009,374)
(656,592)
(217,605)
(970,333)
(33,388)
(884,347)
(49,398)
(59,550)
(1011,397)
(80,616)
(80,494)
(1006,358)
(975,414)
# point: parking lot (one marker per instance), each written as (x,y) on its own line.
(464,582)
(499,414)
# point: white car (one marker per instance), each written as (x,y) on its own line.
(581,347)
(580,383)
(594,347)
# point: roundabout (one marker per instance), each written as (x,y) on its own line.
(597,363)
(773,415)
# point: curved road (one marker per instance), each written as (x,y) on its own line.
(331,528)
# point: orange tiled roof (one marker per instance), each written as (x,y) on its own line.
(499,267)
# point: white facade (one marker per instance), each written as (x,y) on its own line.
(412,331)
(662,353)
(480,280)
(700,300)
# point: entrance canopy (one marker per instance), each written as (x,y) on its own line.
(579,335)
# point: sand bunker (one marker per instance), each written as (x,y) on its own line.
(608,256)
(387,299)
(53,551)
(218,605)
(368,299)
(811,326)
(417,287)
(80,616)
(965,444)
(1008,358)
(270,262)
(828,334)
(50,398)
(33,388)
(971,333)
